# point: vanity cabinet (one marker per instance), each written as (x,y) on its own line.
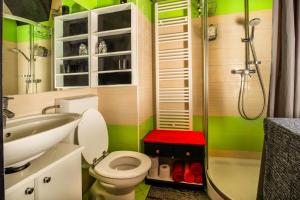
(55,175)
(23,192)
(62,182)
(109,35)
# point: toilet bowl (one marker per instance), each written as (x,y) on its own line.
(121,171)
(116,173)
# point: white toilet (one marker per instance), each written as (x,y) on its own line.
(117,173)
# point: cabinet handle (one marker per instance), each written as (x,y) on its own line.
(47,179)
(157,151)
(29,191)
(188,154)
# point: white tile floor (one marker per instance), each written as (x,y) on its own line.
(235,177)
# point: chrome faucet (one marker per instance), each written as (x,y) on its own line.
(5,112)
(44,111)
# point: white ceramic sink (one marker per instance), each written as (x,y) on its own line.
(29,137)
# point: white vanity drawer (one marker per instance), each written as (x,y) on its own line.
(24,192)
(61,182)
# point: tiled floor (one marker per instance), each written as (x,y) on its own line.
(165,193)
(237,178)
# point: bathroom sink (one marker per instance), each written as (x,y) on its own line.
(29,137)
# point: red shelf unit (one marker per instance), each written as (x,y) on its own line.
(178,145)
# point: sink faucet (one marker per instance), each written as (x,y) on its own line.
(44,111)
(5,112)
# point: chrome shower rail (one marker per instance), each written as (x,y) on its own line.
(244,73)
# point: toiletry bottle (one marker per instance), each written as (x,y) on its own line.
(83,50)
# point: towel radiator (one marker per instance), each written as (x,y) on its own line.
(173,55)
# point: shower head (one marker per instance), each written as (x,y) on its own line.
(16,50)
(254,22)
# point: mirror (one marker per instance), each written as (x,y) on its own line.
(27,55)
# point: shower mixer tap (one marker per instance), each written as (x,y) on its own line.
(243,71)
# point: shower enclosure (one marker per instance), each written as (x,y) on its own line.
(236,69)
(229,69)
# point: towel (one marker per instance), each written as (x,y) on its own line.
(196,168)
(188,176)
(178,172)
(198,179)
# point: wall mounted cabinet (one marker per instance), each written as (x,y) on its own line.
(72,61)
(109,34)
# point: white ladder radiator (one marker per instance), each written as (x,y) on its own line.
(173,54)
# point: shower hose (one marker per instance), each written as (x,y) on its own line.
(241,100)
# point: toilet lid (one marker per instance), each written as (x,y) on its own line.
(93,135)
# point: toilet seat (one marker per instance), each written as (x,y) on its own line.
(93,135)
(105,169)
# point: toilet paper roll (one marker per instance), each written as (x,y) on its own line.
(164,171)
(153,173)
(154,162)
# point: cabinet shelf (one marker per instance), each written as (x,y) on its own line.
(73,38)
(114,71)
(73,57)
(72,87)
(72,74)
(164,183)
(170,180)
(113,32)
(117,27)
(116,86)
(117,53)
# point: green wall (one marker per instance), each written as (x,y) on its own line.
(129,137)
(14,33)
(236,6)
(73,6)
(123,137)
(79,5)
(225,133)
(9,30)
(144,129)
(232,133)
